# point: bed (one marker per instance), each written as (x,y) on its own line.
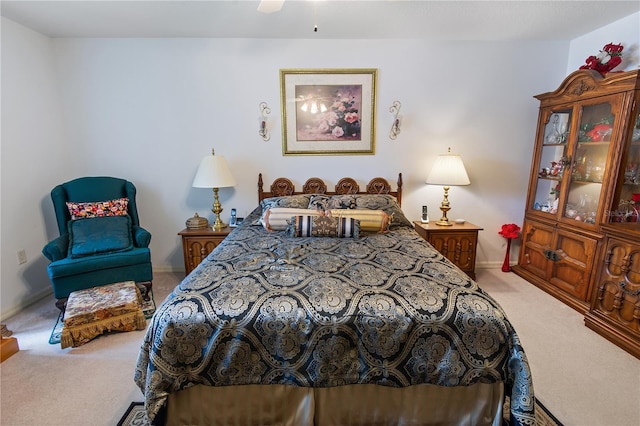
(327,308)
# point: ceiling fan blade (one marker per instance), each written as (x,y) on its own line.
(270,6)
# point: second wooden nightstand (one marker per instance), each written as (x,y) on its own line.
(198,243)
(456,242)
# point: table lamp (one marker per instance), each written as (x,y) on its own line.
(448,170)
(214,172)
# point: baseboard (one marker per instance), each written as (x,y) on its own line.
(489,265)
(28,301)
(48,291)
(168,268)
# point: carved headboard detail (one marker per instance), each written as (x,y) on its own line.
(283,186)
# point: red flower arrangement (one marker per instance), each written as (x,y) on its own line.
(509,231)
(609,57)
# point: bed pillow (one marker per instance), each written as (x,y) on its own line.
(370,220)
(300,201)
(276,218)
(84,210)
(323,226)
(328,202)
(385,202)
(99,235)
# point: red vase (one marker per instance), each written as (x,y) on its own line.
(505,266)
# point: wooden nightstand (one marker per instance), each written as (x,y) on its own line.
(198,243)
(456,242)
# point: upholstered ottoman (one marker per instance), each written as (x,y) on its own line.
(91,312)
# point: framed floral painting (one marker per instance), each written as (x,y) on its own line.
(328,111)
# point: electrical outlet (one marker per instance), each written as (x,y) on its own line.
(22,257)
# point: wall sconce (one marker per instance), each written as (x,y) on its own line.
(264,111)
(395,127)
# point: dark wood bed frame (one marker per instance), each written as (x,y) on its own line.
(282,187)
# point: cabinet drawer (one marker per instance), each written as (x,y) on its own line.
(196,249)
(460,248)
(456,242)
(198,243)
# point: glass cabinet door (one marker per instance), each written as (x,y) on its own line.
(553,161)
(590,157)
(626,206)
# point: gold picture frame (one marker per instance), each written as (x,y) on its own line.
(328,111)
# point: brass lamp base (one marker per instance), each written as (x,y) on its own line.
(217,209)
(445,207)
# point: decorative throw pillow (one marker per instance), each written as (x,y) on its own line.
(328,202)
(99,235)
(386,203)
(370,220)
(84,210)
(323,226)
(275,219)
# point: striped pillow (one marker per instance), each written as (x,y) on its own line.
(323,226)
(370,220)
(277,218)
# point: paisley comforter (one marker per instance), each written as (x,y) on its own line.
(386,308)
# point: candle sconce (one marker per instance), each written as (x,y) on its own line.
(395,127)
(264,111)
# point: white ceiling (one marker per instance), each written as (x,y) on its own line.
(429,19)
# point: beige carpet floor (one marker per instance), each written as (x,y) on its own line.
(578,375)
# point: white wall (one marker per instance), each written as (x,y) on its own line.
(149,109)
(35,153)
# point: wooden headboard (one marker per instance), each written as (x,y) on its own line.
(283,186)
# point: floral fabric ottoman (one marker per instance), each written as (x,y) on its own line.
(91,312)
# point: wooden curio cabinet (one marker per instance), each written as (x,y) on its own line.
(584,174)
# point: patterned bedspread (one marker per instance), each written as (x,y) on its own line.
(385,308)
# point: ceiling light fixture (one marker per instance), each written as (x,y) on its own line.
(270,6)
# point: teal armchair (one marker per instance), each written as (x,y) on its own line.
(95,251)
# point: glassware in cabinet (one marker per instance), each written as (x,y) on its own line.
(590,155)
(626,207)
(553,161)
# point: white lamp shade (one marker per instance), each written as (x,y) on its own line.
(448,170)
(213,172)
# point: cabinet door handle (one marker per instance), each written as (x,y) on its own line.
(551,255)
